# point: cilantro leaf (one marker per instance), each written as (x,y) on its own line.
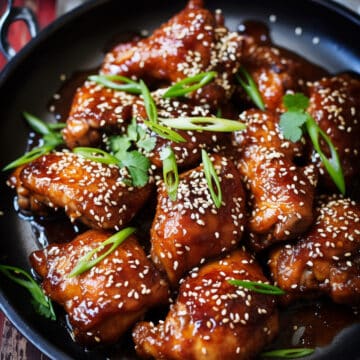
(138,166)
(147,143)
(118,144)
(291,124)
(296,102)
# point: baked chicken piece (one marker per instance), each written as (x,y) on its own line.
(212,319)
(191,42)
(191,229)
(105,301)
(281,193)
(325,260)
(335,106)
(97,110)
(94,193)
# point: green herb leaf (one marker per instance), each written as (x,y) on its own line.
(204,124)
(88,261)
(296,102)
(138,166)
(291,124)
(36,124)
(258,287)
(97,155)
(164,132)
(190,84)
(40,301)
(250,88)
(147,143)
(288,353)
(150,107)
(117,82)
(332,165)
(170,172)
(211,178)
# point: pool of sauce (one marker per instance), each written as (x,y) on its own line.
(304,324)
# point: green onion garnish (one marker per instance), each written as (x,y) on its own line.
(96,155)
(189,84)
(164,132)
(170,172)
(288,353)
(151,110)
(87,261)
(40,301)
(204,124)
(117,82)
(211,178)
(250,88)
(258,287)
(51,139)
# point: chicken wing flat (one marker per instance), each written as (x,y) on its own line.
(96,194)
(186,231)
(191,42)
(212,319)
(325,260)
(334,104)
(105,301)
(281,194)
(97,110)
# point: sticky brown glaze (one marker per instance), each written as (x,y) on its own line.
(96,110)
(334,104)
(187,231)
(105,301)
(191,42)
(94,193)
(325,260)
(281,193)
(212,319)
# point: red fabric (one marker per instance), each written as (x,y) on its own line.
(18,34)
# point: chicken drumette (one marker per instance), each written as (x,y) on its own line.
(212,319)
(105,301)
(186,231)
(281,193)
(97,194)
(325,260)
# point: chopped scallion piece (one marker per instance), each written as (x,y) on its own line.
(170,172)
(258,287)
(117,82)
(288,353)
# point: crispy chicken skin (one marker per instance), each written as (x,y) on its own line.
(325,260)
(96,110)
(334,104)
(105,301)
(191,228)
(191,42)
(281,194)
(94,193)
(212,319)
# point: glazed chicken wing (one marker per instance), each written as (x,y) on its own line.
(97,110)
(94,193)
(191,228)
(105,301)
(212,319)
(281,194)
(334,104)
(325,260)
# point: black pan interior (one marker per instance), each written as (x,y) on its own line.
(76,42)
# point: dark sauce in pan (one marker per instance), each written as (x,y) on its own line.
(303,324)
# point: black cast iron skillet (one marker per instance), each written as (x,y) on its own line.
(76,42)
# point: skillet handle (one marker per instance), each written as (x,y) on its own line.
(11,15)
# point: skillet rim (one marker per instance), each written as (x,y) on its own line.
(41,343)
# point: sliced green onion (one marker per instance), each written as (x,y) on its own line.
(150,107)
(250,88)
(170,172)
(97,155)
(332,165)
(190,84)
(164,132)
(211,178)
(258,287)
(56,126)
(41,302)
(36,124)
(87,261)
(288,353)
(204,124)
(112,82)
